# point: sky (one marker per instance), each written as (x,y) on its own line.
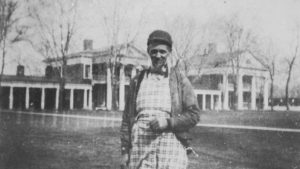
(269,19)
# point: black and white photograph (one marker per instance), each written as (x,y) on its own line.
(149,84)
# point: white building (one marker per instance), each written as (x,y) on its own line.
(213,74)
(89,82)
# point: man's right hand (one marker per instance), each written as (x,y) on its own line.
(124,161)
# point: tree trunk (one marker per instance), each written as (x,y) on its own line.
(235,89)
(291,64)
(235,96)
(272,74)
(2,72)
(113,89)
(62,84)
(114,85)
(287,91)
(271,94)
(1,89)
(61,94)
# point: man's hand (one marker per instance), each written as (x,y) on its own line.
(159,124)
(124,161)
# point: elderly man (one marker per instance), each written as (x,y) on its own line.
(159,111)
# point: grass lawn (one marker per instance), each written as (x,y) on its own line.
(236,149)
(23,147)
(26,146)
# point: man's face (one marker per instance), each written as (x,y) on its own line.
(158,54)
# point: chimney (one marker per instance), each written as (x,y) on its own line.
(212,48)
(20,70)
(87,44)
(49,71)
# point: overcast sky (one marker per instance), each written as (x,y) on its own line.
(273,19)
(270,18)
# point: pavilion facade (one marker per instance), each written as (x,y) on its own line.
(215,76)
(89,84)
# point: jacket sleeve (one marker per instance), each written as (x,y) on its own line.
(189,116)
(125,125)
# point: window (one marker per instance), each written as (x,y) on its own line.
(87,71)
(102,68)
(128,70)
(59,71)
(99,69)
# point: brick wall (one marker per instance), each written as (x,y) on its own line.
(74,72)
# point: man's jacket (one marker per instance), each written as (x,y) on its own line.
(184,110)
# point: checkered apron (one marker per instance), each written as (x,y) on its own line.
(155,150)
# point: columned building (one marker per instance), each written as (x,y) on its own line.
(96,66)
(27,92)
(88,80)
(229,80)
(219,81)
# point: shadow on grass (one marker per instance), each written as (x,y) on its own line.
(252,149)
(24,147)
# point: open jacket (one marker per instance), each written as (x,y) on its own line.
(184,108)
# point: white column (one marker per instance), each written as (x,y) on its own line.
(212,102)
(203,101)
(122,89)
(108,89)
(253,93)
(85,99)
(43,99)
(266,93)
(219,102)
(240,92)
(27,98)
(225,92)
(90,106)
(57,98)
(11,97)
(133,72)
(71,99)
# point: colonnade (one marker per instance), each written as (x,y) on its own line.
(87,95)
(240,90)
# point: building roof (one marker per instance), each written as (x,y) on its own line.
(213,60)
(123,50)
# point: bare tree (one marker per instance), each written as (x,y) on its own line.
(11,30)
(55,23)
(115,21)
(189,39)
(271,68)
(291,63)
(237,39)
(269,56)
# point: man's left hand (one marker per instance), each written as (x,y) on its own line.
(158,124)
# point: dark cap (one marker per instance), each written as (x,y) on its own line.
(159,36)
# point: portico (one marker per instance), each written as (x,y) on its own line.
(27,95)
(249,85)
(209,99)
(240,87)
